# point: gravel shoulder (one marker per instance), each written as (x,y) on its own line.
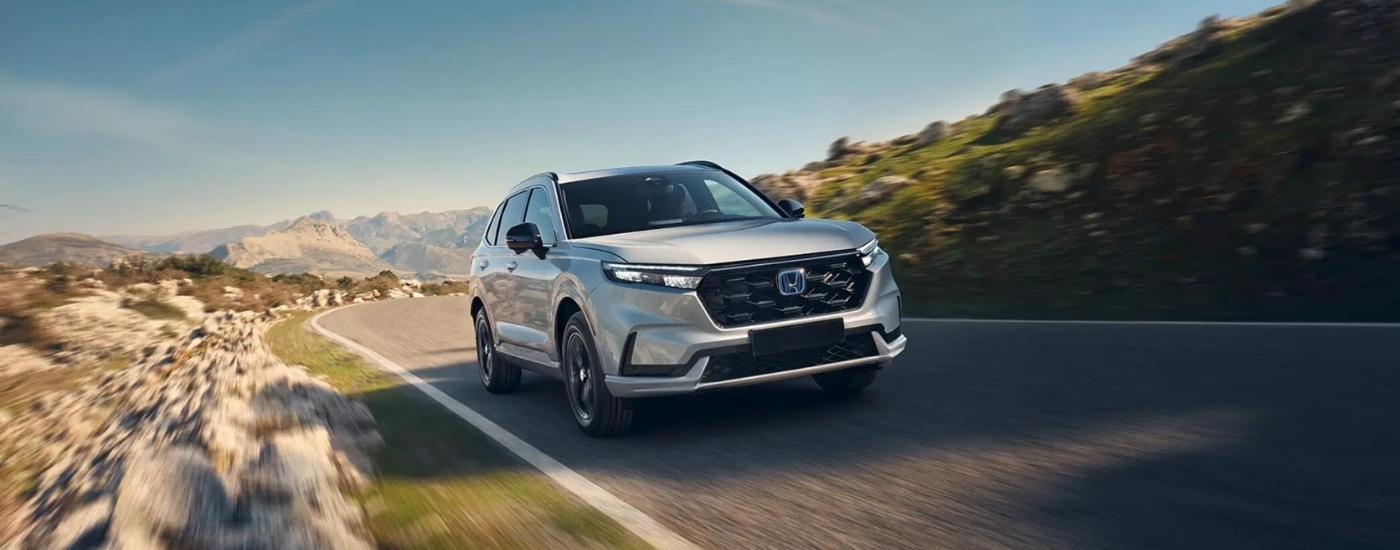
(440,483)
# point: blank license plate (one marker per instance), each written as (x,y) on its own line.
(796,337)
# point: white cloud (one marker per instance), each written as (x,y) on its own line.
(68,111)
(248,39)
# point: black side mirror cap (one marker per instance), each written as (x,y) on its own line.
(792,208)
(524,237)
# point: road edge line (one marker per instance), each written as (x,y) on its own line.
(1158,323)
(634,520)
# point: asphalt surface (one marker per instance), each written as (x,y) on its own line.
(991,435)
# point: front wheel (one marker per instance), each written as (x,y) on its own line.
(497,375)
(597,412)
(847,381)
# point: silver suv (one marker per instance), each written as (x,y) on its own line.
(651,281)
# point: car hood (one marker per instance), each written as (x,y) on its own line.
(739,241)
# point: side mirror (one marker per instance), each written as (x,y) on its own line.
(792,208)
(523,237)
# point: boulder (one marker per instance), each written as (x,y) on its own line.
(84,527)
(1019,111)
(1052,180)
(877,190)
(173,494)
(931,134)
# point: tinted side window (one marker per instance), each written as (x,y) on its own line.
(512,214)
(490,237)
(541,213)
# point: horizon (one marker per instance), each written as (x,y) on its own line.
(258,113)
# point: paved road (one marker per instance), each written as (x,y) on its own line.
(1001,435)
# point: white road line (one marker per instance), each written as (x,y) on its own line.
(633,519)
(1160,323)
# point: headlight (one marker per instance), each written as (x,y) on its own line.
(869,252)
(674,276)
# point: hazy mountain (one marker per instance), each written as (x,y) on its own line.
(68,247)
(428,259)
(441,241)
(307,245)
(388,229)
(195,241)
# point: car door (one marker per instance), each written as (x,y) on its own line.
(534,276)
(498,285)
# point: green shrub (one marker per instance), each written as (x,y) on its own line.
(196,266)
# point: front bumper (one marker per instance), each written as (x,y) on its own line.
(669,334)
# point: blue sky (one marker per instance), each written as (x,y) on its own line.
(161,116)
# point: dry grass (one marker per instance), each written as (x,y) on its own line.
(441,483)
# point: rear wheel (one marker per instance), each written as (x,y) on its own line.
(497,375)
(847,381)
(597,412)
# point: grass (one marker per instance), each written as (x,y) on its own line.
(156,309)
(441,483)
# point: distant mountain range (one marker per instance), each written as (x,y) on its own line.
(70,247)
(428,244)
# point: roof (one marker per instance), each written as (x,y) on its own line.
(629,171)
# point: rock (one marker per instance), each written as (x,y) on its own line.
(394,294)
(1295,112)
(1052,180)
(878,190)
(169,287)
(411,284)
(1200,44)
(233,292)
(170,494)
(358,300)
(1013,172)
(931,134)
(416,295)
(84,527)
(321,298)
(1021,111)
(141,288)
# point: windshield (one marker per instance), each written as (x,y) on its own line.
(622,204)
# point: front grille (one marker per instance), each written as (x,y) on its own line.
(742,295)
(744,364)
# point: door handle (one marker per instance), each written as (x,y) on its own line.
(483,264)
(511,266)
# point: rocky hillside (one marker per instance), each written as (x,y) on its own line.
(1248,170)
(137,421)
(307,245)
(61,247)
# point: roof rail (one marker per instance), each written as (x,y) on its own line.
(702,163)
(551,175)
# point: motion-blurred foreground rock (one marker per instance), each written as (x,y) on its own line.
(203,439)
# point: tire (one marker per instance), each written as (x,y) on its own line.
(497,375)
(846,382)
(596,411)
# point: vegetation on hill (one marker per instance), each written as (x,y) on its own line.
(1245,171)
